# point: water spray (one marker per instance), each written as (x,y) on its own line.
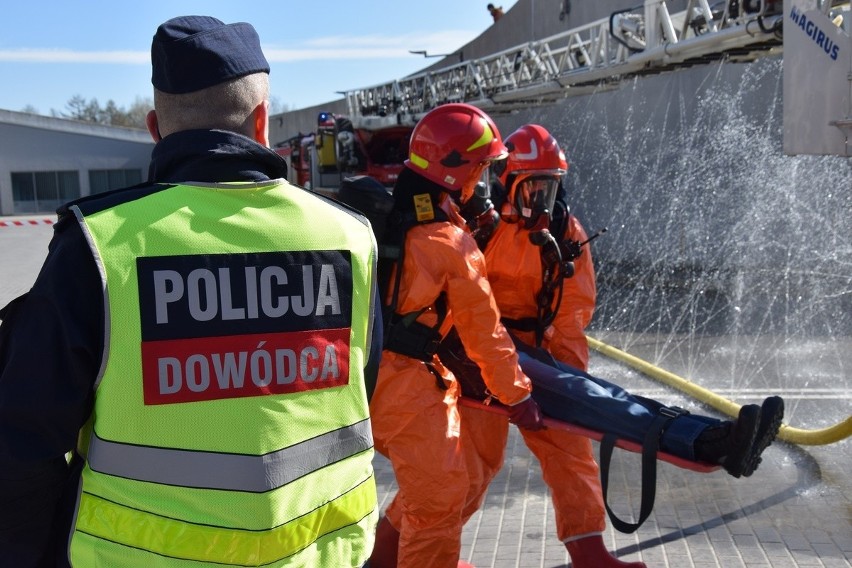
(823,436)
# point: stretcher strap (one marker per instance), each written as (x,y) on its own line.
(649,473)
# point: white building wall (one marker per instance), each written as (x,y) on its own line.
(31,143)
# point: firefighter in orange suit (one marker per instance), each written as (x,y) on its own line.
(440,283)
(531,177)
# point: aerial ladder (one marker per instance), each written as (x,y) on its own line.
(646,40)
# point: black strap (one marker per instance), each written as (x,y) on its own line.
(552,283)
(520,324)
(422,341)
(403,222)
(649,468)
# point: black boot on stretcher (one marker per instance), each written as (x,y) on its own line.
(737,446)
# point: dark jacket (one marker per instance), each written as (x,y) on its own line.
(51,344)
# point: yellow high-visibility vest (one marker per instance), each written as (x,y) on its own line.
(231,423)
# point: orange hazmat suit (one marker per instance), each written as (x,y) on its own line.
(415,418)
(567,460)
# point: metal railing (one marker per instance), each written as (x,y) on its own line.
(599,55)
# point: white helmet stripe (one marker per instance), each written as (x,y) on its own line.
(532,154)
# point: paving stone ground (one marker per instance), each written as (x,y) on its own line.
(793,512)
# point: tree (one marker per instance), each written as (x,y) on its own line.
(276,106)
(78,108)
(138,111)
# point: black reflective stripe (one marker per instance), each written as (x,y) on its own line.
(229,472)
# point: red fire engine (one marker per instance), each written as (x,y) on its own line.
(339,149)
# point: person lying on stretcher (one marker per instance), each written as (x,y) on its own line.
(576,397)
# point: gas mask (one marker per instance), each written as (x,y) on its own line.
(534,196)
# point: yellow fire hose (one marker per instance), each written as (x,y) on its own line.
(823,436)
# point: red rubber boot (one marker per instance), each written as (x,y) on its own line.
(386,549)
(590,552)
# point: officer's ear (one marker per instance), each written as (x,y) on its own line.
(153,125)
(260,119)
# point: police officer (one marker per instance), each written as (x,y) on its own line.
(197,346)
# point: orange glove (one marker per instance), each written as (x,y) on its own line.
(527,414)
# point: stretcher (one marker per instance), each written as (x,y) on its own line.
(649,452)
(628,445)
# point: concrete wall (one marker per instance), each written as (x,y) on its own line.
(529,20)
(687,171)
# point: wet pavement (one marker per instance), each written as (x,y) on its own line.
(795,511)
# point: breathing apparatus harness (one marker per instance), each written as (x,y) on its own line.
(403,334)
(557,255)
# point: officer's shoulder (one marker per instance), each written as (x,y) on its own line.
(101,201)
(336,204)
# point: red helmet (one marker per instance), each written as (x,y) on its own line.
(563,161)
(532,173)
(452,145)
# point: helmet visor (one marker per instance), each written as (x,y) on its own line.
(468,187)
(535,195)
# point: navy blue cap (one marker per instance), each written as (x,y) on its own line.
(190,53)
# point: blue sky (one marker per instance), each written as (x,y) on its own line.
(51,51)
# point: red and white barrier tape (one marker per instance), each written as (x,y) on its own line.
(25,222)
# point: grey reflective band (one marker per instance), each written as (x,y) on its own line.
(99,262)
(229,472)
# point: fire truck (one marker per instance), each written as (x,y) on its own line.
(341,147)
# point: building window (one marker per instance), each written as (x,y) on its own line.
(105,180)
(42,192)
